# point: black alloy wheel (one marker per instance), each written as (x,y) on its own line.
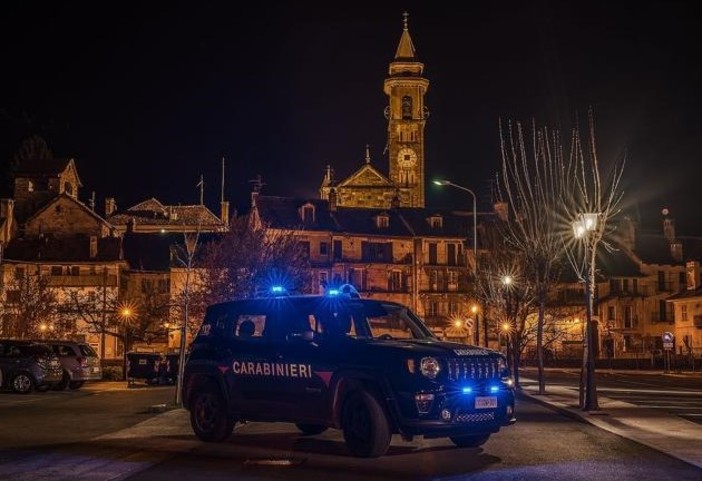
(365,426)
(22,383)
(73,385)
(209,417)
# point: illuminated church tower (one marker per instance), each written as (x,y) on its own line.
(406,115)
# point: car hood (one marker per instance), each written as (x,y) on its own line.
(432,347)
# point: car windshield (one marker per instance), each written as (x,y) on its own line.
(319,319)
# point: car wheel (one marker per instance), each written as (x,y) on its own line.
(365,426)
(209,417)
(63,384)
(75,385)
(311,429)
(470,441)
(22,383)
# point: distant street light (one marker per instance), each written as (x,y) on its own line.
(126,313)
(583,226)
(443,182)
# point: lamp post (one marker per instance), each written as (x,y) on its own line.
(126,314)
(474,309)
(583,228)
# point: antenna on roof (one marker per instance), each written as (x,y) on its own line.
(201,184)
(222,193)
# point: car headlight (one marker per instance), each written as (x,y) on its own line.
(429,367)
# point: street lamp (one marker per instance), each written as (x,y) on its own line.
(126,312)
(474,309)
(583,227)
(475,214)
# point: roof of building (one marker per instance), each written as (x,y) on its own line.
(66,249)
(153,212)
(405,49)
(686,294)
(69,198)
(286,213)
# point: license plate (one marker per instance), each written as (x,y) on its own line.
(485,402)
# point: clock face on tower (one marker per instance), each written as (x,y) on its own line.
(407,158)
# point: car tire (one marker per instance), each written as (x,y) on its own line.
(22,383)
(365,426)
(209,416)
(470,441)
(74,385)
(311,429)
(63,384)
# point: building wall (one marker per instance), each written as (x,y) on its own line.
(64,217)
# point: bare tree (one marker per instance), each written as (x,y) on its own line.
(28,305)
(247,260)
(501,284)
(533,183)
(591,201)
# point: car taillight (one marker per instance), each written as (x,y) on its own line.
(82,361)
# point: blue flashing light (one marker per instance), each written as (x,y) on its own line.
(467,390)
(345,290)
(333,292)
(277,290)
(494,388)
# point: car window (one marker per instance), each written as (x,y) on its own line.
(248,326)
(63,350)
(87,350)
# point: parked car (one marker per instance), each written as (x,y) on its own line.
(79,362)
(28,365)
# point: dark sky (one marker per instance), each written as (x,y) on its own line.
(149,95)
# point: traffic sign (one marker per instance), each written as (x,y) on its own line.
(668,341)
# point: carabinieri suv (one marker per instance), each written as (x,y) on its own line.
(368,367)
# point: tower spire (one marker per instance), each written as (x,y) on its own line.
(367,154)
(405,50)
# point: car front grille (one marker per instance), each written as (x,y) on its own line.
(475,417)
(472,369)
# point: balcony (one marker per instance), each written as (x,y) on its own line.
(96,280)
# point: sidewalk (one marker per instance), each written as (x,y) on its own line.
(663,432)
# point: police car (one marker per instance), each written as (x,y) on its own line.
(368,367)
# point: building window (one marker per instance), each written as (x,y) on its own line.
(452,280)
(75,270)
(452,254)
(436,222)
(625,285)
(610,313)
(406,107)
(376,251)
(683,312)
(635,284)
(382,221)
(433,281)
(395,281)
(662,311)
(305,249)
(338,251)
(308,214)
(30,186)
(324,248)
(432,308)
(433,257)
(614,286)
(661,281)
(56,270)
(163,286)
(323,280)
(628,317)
(682,281)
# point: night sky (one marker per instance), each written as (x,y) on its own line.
(147,96)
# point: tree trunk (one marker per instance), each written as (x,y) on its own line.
(540,342)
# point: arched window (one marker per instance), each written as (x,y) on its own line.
(406,107)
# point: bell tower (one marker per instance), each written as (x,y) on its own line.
(407,116)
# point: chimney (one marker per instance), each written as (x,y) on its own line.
(502,210)
(110,206)
(669,228)
(224,212)
(332,200)
(693,275)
